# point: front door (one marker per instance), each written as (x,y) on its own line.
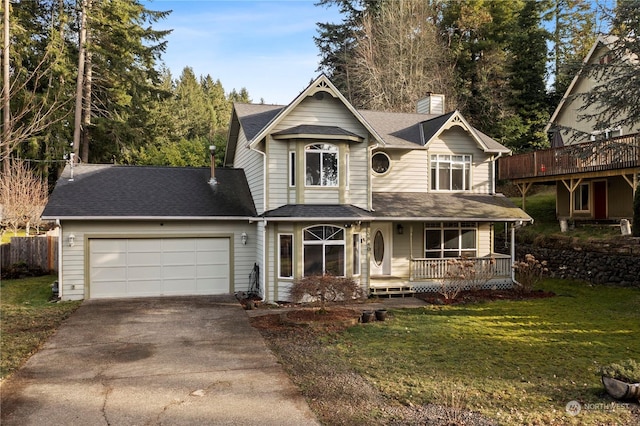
(600,199)
(381,249)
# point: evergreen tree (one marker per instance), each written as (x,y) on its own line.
(124,53)
(573,33)
(527,78)
(479,34)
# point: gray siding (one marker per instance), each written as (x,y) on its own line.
(252,163)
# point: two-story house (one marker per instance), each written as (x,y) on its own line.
(595,171)
(312,187)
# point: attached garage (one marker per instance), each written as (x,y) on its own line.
(145,267)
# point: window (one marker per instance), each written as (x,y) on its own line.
(285,269)
(356,254)
(324,250)
(380,163)
(321,165)
(450,239)
(292,168)
(581,198)
(450,172)
(378,248)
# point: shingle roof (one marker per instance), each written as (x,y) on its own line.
(446,206)
(254,118)
(128,191)
(317,211)
(309,129)
(397,129)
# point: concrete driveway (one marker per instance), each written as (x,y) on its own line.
(170,361)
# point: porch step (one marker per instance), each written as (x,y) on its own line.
(401,290)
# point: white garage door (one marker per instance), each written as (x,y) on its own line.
(139,267)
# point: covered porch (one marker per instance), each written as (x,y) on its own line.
(420,241)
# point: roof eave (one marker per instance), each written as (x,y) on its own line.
(121,218)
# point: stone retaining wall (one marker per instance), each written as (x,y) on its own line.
(602,262)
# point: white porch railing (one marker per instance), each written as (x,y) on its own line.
(433,269)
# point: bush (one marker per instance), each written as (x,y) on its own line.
(325,288)
(21,270)
(529,272)
(628,371)
(466,273)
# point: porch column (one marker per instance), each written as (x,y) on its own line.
(513,251)
(411,252)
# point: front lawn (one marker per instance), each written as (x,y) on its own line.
(27,318)
(517,362)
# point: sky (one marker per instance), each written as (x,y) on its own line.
(264,46)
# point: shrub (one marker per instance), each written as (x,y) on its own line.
(529,272)
(325,288)
(628,371)
(466,273)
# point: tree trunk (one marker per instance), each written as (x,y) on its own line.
(6,87)
(77,121)
(86,109)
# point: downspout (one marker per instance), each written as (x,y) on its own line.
(264,223)
(60,286)
(513,251)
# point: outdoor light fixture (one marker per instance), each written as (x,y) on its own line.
(72,240)
(400,229)
(244,237)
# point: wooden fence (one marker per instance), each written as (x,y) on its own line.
(36,252)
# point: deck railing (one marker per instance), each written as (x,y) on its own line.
(621,152)
(499,266)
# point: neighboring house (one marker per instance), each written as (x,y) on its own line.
(595,172)
(309,188)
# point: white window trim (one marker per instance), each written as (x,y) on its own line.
(335,151)
(357,241)
(280,255)
(324,243)
(292,169)
(459,226)
(436,178)
(388,158)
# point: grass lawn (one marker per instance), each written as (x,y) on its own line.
(518,362)
(27,318)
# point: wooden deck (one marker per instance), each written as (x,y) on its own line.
(598,157)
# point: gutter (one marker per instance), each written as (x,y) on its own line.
(118,218)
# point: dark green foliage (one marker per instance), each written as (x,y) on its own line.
(628,371)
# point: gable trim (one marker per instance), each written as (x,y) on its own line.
(321,83)
(456,119)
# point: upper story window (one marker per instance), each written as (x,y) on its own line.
(450,172)
(321,165)
(380,163)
